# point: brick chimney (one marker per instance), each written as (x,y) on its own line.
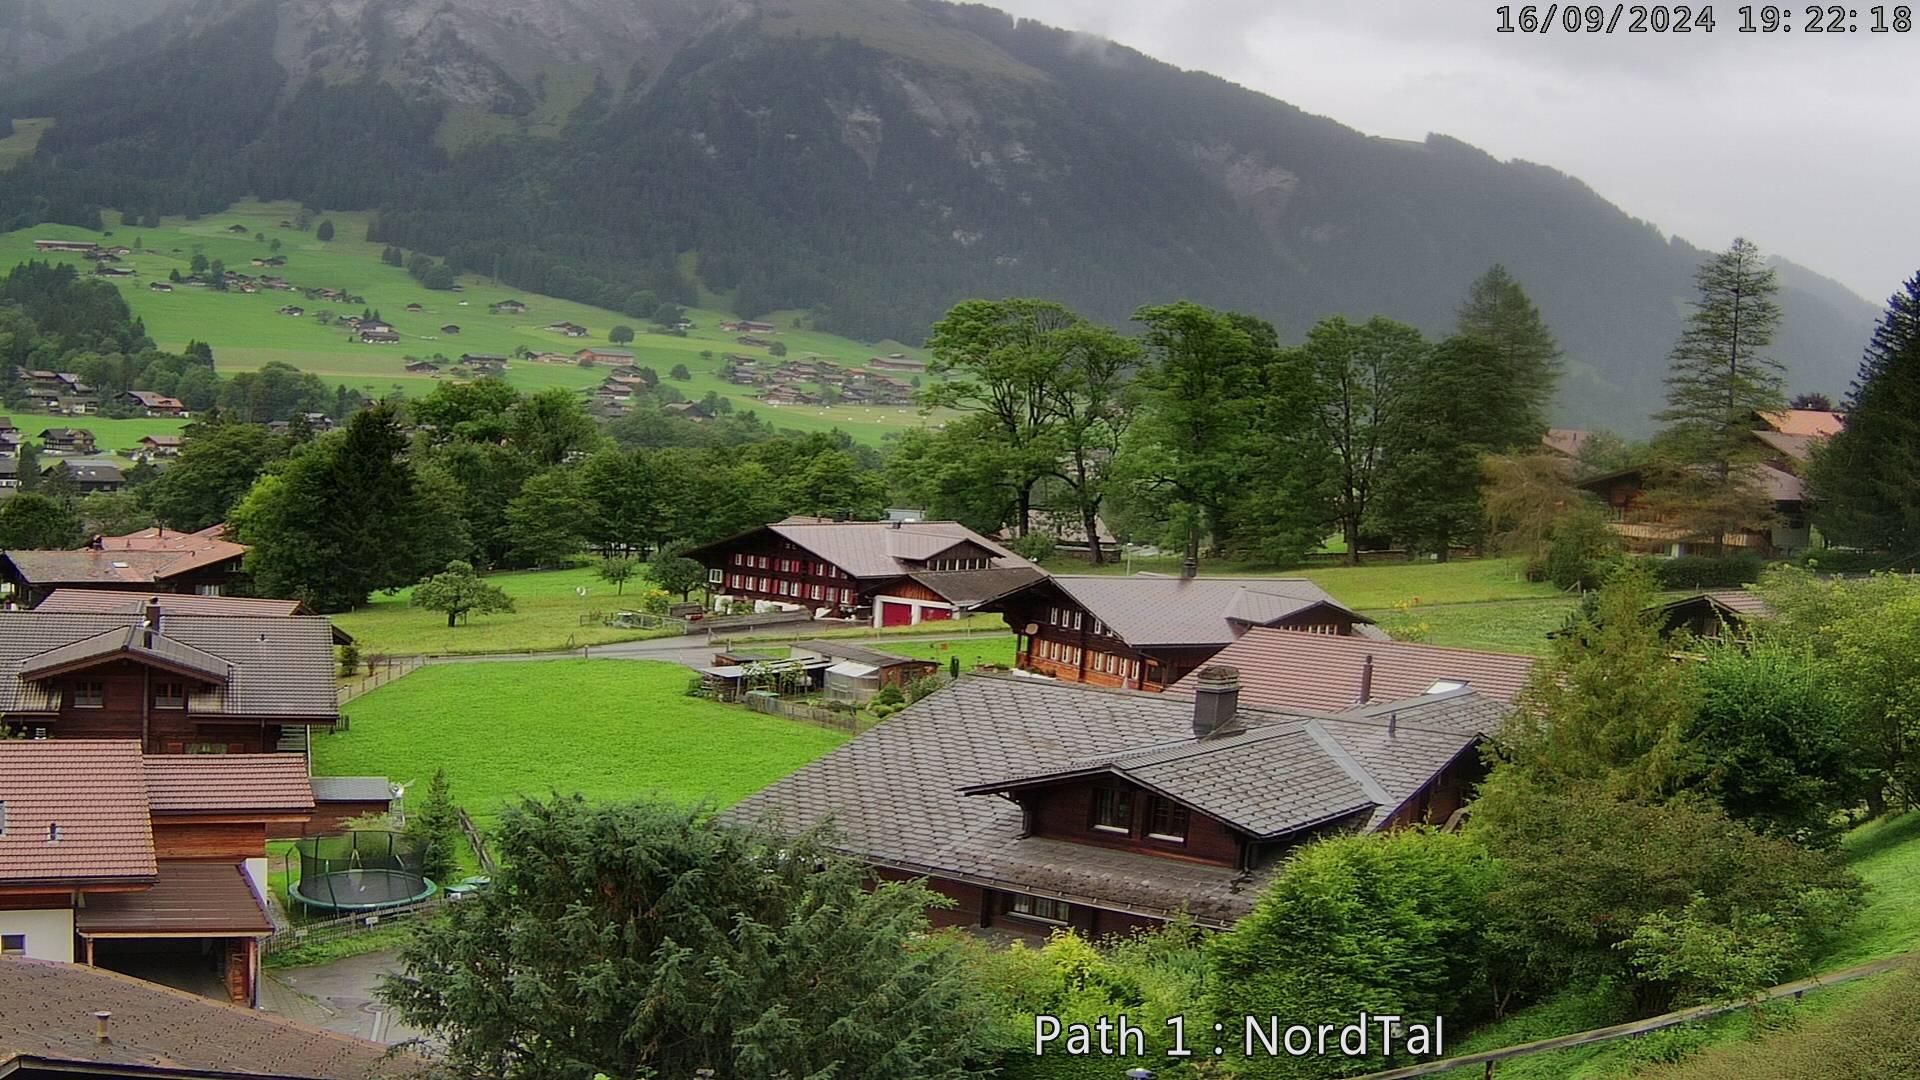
(1216,699)
(1366,679)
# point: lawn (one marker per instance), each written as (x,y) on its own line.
(1511,626)
(605,729)
(549,606)
(247,332)
(1377,585)
(973,651)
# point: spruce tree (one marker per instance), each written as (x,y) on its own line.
(1720,376)
(1864,480)
(1500,316)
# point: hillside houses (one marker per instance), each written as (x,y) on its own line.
(570,329)
(747,326)
(66,440)
(149,403)
(507,307)
(57,391)
(756,342)
(815,380)
(899,362)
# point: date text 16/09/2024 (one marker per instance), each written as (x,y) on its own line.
(1255,1036)
(1703,19)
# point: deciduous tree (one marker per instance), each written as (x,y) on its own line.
(458,592)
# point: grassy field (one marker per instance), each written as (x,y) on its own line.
(548,615)
(247,332)
(1511,626)
(972,651)
(22,140)
(604,729)
(1380,585)
(1886,853)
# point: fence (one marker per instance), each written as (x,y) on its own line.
(1489,1058)
(315,933)
(379,673)
(800,710)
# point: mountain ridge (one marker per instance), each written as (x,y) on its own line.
(875,161)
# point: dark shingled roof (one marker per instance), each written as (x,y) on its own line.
(1284,669)
(122,602)
(835,650)
(46,1018)
(916,792)
(969,588)
(276,667)
(351,789)
(95,790)
(1154,609)
(212,898)
(878,549)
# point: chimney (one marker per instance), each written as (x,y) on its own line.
(1366,679)
(100,1026)
(153,613)
(1216,699)
(3,817)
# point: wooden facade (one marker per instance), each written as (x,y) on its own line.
(1068,812)
(764,566)
(125,699)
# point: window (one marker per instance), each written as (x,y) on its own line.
(13,944)
(1112,810)
(846,596)
(1097,627)
(169,695)
(1076,620)
(89,695)
(206,748)
(816,591)
(738,558)
(1038,907)
(1167,820)
(714,577)
(206,590)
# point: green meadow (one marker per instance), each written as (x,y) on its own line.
(247,332)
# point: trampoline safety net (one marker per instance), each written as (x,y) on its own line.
(363,870)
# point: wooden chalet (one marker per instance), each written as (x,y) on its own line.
(1712,614)
(568,328)
(1281,669)
(688,410)
(149,561)
(66,440)
(9,472)
(484,363)
(91,478)
(86,247)
(108,601)
(1041,805)
(892,572)
(897,362)
(176,684)
(1622,494)
(159,286)
(604,356)
(378,337)
(507,307)
(422,367)
(162,446)
(1147,631)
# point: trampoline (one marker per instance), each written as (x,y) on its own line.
(362,870)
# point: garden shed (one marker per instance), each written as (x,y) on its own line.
(852,682)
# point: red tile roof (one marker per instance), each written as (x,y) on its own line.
(1805,421)
(46,1016)
(1282,669)
(95,791)
(228,783)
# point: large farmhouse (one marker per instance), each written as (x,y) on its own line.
(148,561)
(896,573)
(1285,670)
(1038,804)
(1147,631)
(173,684)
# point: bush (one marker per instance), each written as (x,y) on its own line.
(889,695)
(1594,888)
(1581,550)
(1708,571)
(1831,561)
(1035,547)
(349,660)
(921,687)
(1388,924)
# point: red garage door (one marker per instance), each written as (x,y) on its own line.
(892,614)
(932,614)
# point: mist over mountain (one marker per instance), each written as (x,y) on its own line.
(870,160)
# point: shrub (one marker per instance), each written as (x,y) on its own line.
(921,687)
(1035,547)
(1581,550)
(1388,924)
(349,660)
(889,695)
(1708,571)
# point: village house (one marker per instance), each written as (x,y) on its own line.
(450,328)
(1284,669)
(67,441)
(1149,630)
(747,326)
(153,404)
(757,342)
(507,307)
(378,337)
(149,561)
(173,683)
(160,446)
(107,269)
(551,357)
(415,307)
(897,362)
(567,328)
(422,367)
(1036,806)
(293,311)
(84,247)
(687,410)
(9,473)
(604,356)
(76,1022)
(893,573)
(484,363)
(159,286)
(89,478)
(108,601)
(1622,496)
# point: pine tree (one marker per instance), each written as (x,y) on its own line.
(435,824)
(1499,314)
(1720,376)
(1864,480)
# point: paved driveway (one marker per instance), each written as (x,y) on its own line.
(338,996)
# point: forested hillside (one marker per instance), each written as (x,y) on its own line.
(871,160)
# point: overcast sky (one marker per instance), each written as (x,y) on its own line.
(1807,144)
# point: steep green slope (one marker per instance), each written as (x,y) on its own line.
(870,160)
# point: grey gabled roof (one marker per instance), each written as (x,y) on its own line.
(969,588)
(878,549)
(276,666)
(351,789)
(914,793)
(1154,609)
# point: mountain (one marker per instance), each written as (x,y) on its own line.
(870,160)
